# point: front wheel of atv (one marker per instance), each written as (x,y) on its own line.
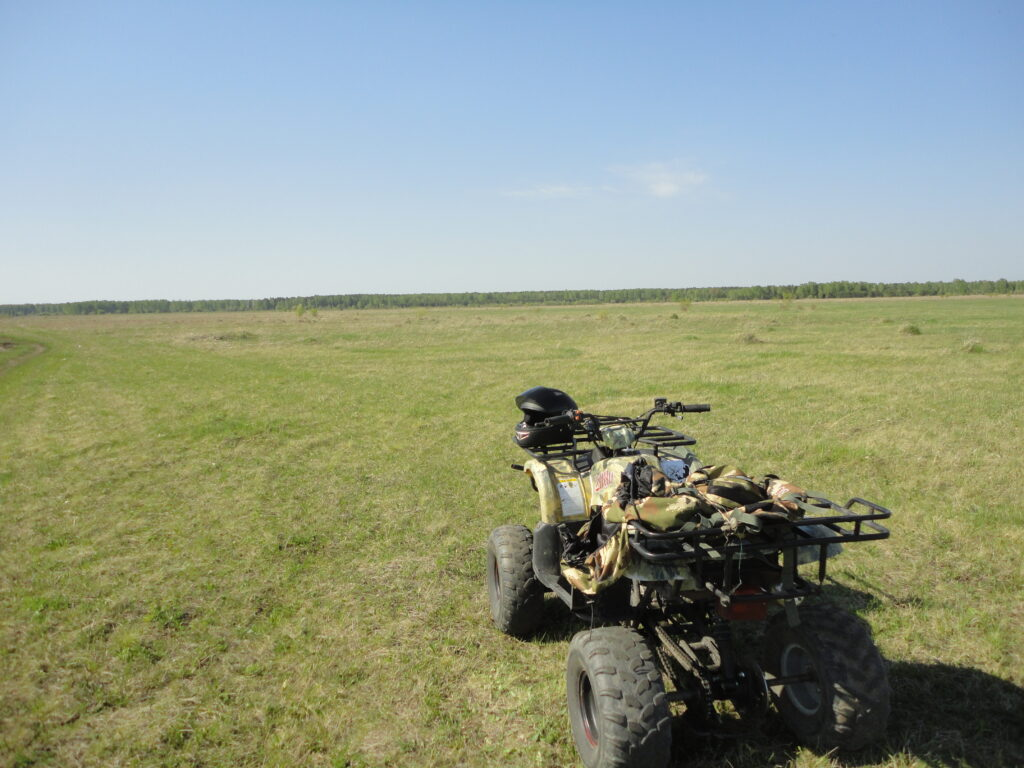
(617,708)
(516,596)
(844,700)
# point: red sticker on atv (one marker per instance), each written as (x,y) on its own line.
(603,480)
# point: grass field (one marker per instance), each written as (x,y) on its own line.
(255,539)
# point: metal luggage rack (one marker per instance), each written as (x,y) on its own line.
(705,547)
(663,437)
(654,436)
(648,434)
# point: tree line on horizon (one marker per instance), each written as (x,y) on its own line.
(840,289)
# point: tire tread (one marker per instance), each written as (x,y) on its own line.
(518,611)
(626,679)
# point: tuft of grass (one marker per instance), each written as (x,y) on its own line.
(133,649)
(40,606)
(223,336)
(236,336)
(909,329)
(749,338)
(169,617)
(300,543)
(972,346)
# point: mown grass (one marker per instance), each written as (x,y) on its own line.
(257,539)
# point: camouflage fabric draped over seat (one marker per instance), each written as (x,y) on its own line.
(722,497)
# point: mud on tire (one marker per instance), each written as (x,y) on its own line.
(516,597)
(847,704)
(617,708)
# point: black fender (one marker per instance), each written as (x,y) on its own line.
(547,555)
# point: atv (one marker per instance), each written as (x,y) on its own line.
(693,582)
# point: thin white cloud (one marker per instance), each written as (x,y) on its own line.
(553,191)
(661,179)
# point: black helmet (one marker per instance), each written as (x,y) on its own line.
(538,404)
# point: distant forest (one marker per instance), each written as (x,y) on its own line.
(841,289)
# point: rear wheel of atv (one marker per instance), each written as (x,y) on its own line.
(516,596)
(844,702)
(617,708)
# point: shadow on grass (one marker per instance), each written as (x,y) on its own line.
(942,715)
(558,625)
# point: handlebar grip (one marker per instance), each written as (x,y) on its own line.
(564,418)
(697,408)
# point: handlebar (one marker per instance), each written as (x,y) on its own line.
(661,405)
(695,408)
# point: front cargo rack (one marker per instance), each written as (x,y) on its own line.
(655,437)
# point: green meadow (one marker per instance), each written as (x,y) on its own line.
(257,539)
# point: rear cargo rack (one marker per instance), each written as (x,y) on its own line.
(841,524)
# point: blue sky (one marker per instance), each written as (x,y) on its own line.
(190,150)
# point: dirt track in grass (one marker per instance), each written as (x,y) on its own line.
(34,350)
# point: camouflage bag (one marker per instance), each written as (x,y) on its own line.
(618,436)
(645,493)
(686,510)
(789,499)
(726,486)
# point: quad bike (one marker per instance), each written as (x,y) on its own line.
(662,598)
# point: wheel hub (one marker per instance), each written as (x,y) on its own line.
(805,696)
(588,709)
(495,584)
